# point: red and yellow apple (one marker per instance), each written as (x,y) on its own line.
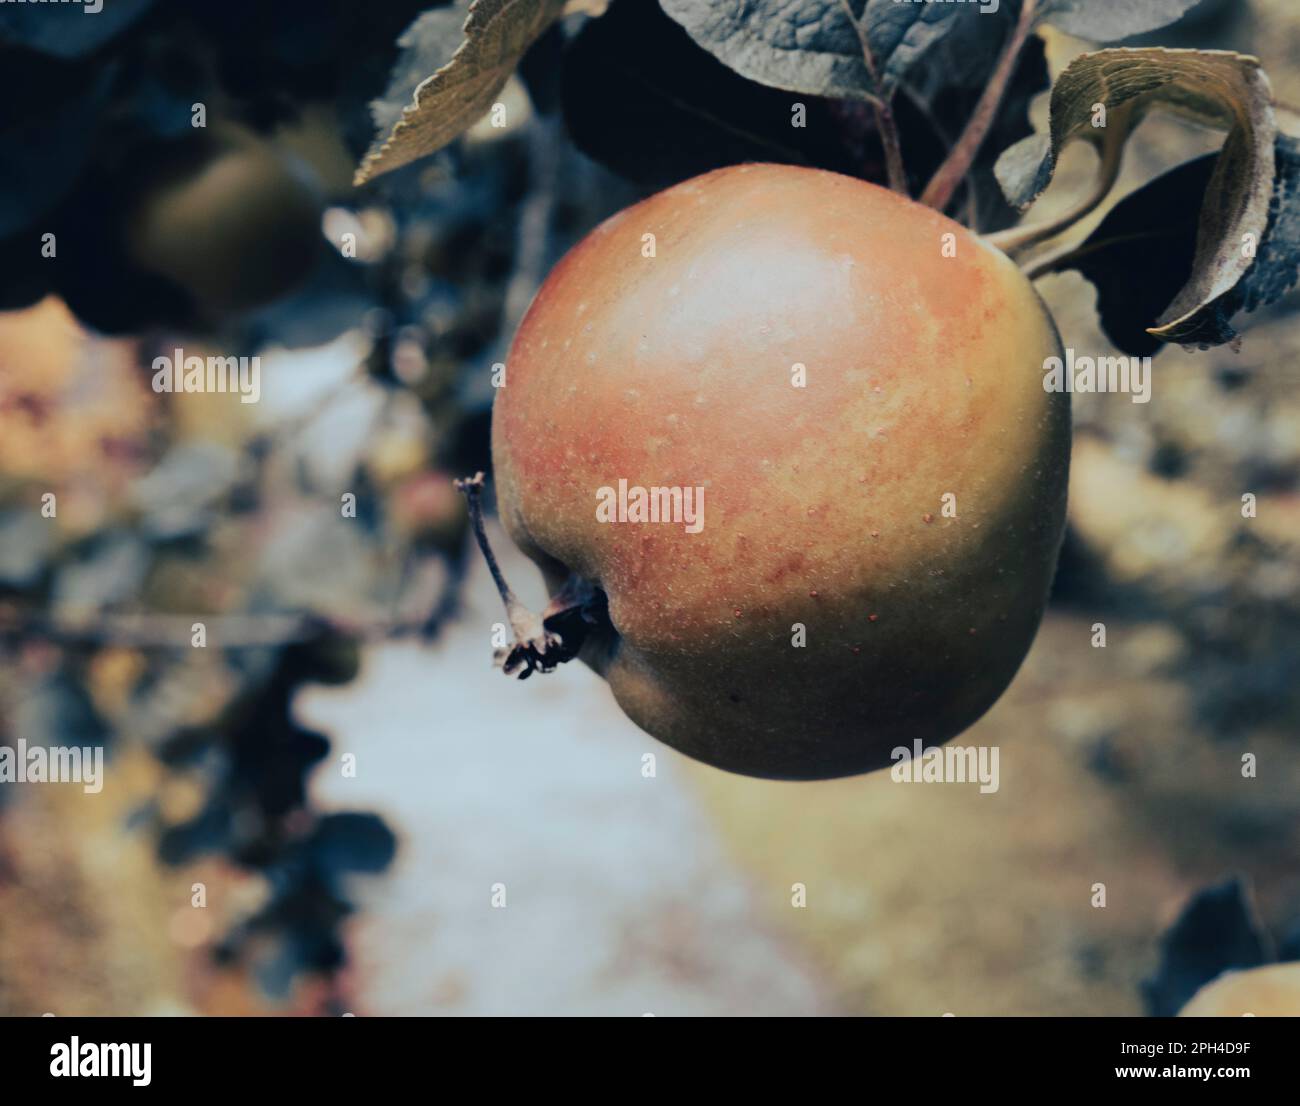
(856,383)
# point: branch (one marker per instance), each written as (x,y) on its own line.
(958,162)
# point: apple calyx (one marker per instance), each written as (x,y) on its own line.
(543,641)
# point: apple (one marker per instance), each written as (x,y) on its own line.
(852,386)
(237,224)
(1270,991)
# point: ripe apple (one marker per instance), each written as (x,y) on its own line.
(856,383)
(1272,991)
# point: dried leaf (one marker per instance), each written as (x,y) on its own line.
(496,35)
(1214,87)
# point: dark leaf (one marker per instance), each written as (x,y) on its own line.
(1111,20)
(68,30)
(1140,254)
(813,46)
(642,98)
(46,139)
(352,842)
(1216,932)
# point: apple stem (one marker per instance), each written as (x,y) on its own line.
(958,162)
(539,644)
(472,488)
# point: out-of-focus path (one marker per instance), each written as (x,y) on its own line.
(619,900)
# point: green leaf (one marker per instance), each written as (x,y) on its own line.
(1111,20)
(460,90)
(814,47)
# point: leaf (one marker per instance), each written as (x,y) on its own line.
(1140,254)
(51,131)
(352,842)
(639,96)
(496,35)
(1111,20)
(68,30)
(1277,258)
(1217,88)
(642,98)
(1217,931)
(812,46)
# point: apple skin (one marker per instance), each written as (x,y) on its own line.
(823,504)
(1272,991)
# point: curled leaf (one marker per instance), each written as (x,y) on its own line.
(1101,98)
(497,33)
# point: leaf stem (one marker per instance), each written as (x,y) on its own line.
(895,172)
(958,162)
(881,108)
(1019,238)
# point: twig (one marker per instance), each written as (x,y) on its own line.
(958,162)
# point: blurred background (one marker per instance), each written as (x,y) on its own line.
(315,813)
